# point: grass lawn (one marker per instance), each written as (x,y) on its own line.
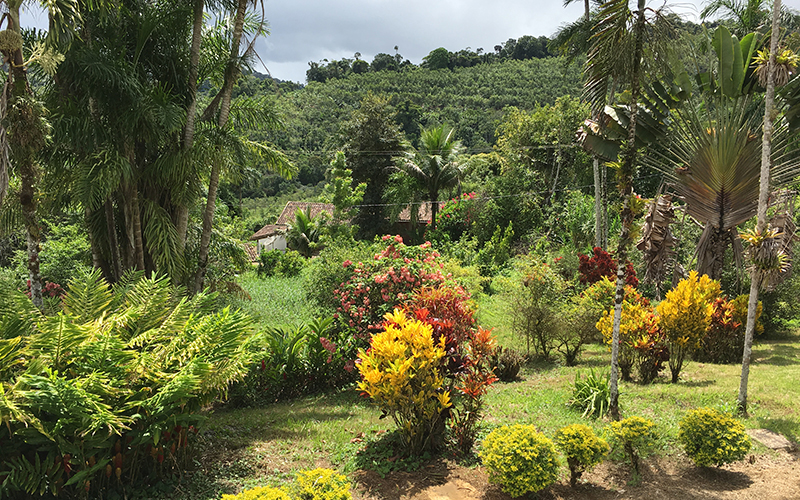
(267,446)
(248,447)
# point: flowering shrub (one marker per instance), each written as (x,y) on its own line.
(376,287)
(636,435)
(321,484)
(519,459)
(712,438)
(684,316)
(582,449)
(454,219)
(601,264)
(400,372)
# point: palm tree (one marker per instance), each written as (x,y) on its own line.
(763,201)
(303,235)
(626,45)
(746,16)
(571,40)
(25,123)
(433,166)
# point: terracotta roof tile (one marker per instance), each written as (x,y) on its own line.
(289,211)
(269,230)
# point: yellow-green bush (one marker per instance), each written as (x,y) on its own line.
(637,436)
(581,447)
(713,438)
(519,459)
(263,493)
(400,372)
(321,484)
(684,316)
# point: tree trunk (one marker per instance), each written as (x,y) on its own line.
(763,201)
(182,211)
(434,209)
(598,207)
(627,171)
(113,242)
(26,138)
(231,75)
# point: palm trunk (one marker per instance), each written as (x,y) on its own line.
(231,75)
(626,174)
(598,207)
(763,200)
(26,138)
(113,242)
(182,211)
(434,209)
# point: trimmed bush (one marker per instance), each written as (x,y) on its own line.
(519,459)
(582,449)
(712,438)
(636,435)
(263,493)
(321,484)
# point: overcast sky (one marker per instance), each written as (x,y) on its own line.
(313,30)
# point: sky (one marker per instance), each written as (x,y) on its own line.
(312,30)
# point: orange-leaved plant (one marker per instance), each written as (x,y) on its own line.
(401,373)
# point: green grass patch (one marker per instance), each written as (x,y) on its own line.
(275,301)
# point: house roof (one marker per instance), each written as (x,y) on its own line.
(289,211)
(287,217)
(424,213)
(251,251)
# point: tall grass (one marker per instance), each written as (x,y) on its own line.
(275,301)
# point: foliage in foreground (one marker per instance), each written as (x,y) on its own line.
(520,459)
(711,438)
(317,484)
(107,393)
(637,436)
(582,449)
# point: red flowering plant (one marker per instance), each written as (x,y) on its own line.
(602,264)
(454,219)
(376,287)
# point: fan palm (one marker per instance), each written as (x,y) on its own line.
(434,165)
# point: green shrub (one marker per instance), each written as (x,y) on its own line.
(262,493)
(637,436)
(321,484)
(326,272)
(713,438)
(591,395)
(519,459)
(582,449)
(113,384)
(267,262)
(536,314)
(506,364)
(276,263)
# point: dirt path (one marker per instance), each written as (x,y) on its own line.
(763,477)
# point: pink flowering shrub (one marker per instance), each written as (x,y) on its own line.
(377,286)
(454,219)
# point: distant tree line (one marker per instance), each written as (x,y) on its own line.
(522,49)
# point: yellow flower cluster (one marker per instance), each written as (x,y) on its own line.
(400,372)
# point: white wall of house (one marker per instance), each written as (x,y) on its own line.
(274,242)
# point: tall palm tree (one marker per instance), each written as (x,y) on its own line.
(763,200)
(573,39)
(627,45)
(434,165)
(24,119)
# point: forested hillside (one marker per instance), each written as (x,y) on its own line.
(472,100)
